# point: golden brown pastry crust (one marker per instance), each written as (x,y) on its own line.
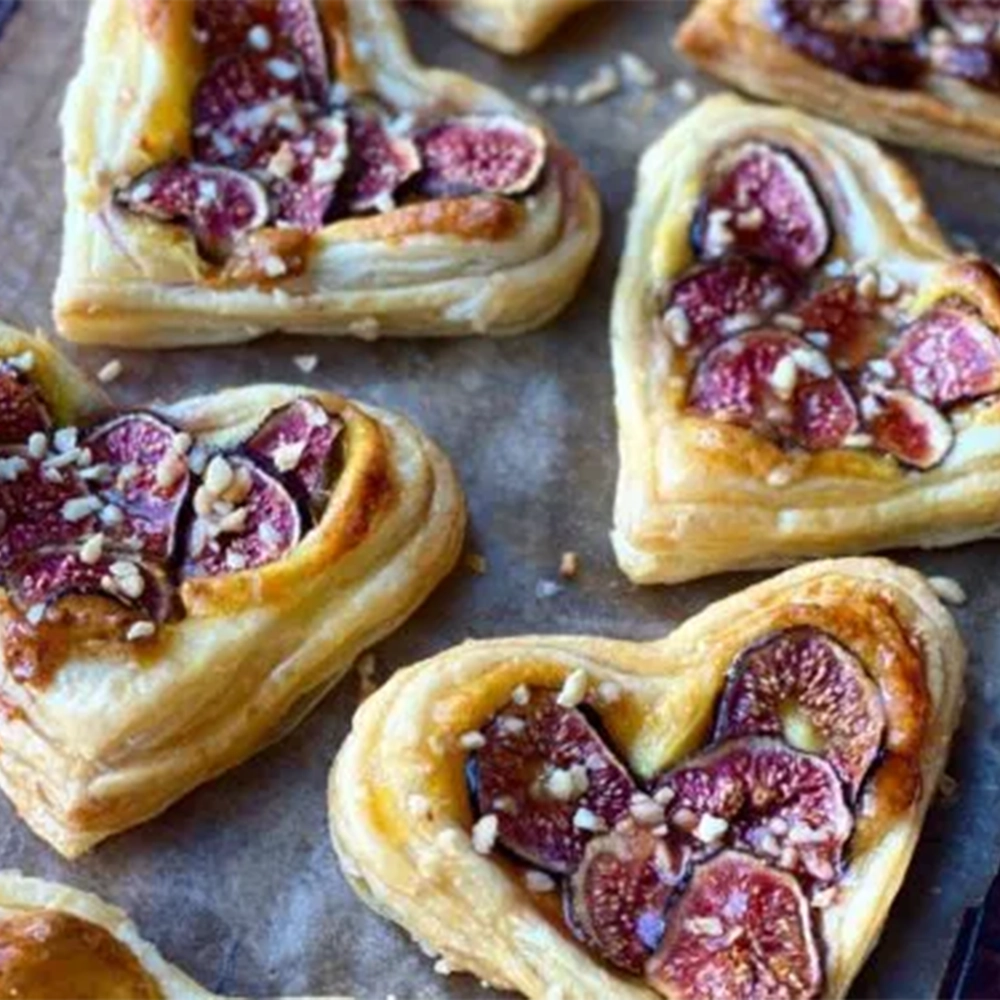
(121,730)
(698,496)
(22,897)
(474,265)
(400,813)
(731,39)
(510,26)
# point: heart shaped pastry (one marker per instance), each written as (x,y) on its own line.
(922,72)
(727,812)
(56,941)
(510,26)
(253,165)
(803,367)
(181,585)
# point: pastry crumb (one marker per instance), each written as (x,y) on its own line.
(306,363)
(112,370)
(569,565)
(950,591)
(476,562)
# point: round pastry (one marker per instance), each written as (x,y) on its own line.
(180,585)
(255,165)
(803,366)
(729,811)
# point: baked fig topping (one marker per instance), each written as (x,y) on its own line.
(617,898)
(762,795)
(299,28)
(741,930)
(760,200)
(228,27)
(300,440)
(550,779)
(220,205)
(842,320)
(380,163)
(977,63)
(302,174)
(806,687)
(244,517)
(777,384)
(22,410)
(724,298)
(480,155)
(248,103)
(974,21)
(908,428)
(948,355)
(146,479)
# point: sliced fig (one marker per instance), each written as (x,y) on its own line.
(741,930)
(766,797)
(480,155)
(226,27)
(873,42)
(380,163)
(46,577)
(22,410)
(148,481)
(803,685)
(618,896)
(247,103)
(728,297)
(543,768)
(302,174)
(909,428)
(300,440)
(846,321)
(260,527)
(42,504)
(976,63)
(220,205)
(948,355)
(760,200)
(299,27)
(777,384)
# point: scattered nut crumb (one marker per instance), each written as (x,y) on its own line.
(569,565)
(602,84)
(950,591)
(540,94)
(574,689)
(442,968)
(684,90)
(367,682)
(484,834)
(947,788)
(636,72)
(473,740)
(140,630)
(587,819)
(306,363)
(545,589)
(110,371)
(710,828)
(476,562)
(539,882)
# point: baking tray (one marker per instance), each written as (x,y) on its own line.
(237,883)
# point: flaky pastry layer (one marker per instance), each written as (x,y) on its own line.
(510,26)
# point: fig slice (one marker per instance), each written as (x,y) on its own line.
(302,174)
(381,162)
(777,384)
(976,63)
(42,504)
(725,297)
(617,898)
(48,576)
(909,428)
(760,200)
(948,355)
(251,520)
(223,27)
(299,27)
(874,42)
(740,931)
(220,205)
(247,103)
(22,410)
(760,794)
(495,154)
(300,440)
(550,779)
(147,481)
(805,686)
(842,320)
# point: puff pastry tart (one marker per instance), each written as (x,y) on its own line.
(728,812)
(253,165)
(509,26)
(921,72)
(803,366)
(181,585)
(58,942)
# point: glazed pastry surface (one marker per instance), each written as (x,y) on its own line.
(509,26)
(58,942)
(462,261)
(132,674)
(705,485)
(404,820)
(736,40)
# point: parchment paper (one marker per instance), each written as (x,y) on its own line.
(237,883)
